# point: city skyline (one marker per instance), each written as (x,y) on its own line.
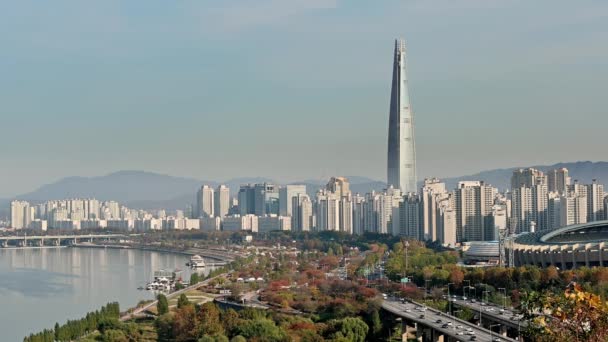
(160,91)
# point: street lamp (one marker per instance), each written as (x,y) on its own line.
(454,318)
(492,332)
(465,287)
(504,297)
(449,299)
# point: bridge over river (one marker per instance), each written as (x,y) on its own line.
(59,240)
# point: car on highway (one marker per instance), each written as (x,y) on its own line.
(444,326)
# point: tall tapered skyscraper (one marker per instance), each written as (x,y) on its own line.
(401,163)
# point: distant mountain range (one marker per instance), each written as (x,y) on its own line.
(146,190)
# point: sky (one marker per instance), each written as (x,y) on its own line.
(296,89)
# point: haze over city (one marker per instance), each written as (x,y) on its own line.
(214,90)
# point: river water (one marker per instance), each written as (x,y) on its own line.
(39,287)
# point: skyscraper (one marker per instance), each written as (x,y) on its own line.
(204,201)
(221,201)
(401,161)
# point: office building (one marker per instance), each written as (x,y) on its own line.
(286,195)
(401,161)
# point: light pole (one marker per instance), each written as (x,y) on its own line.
(449,299)
(454,318)
(492,332)
(468,285)
(504,298)
(486,293)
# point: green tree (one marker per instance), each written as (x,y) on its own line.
(238,338)
(113,335)
(162,306)
(376,323)
(182,301)
(348,329)
(164,327)
(262,329)
(194,278)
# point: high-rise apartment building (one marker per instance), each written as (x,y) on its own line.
(573,209)
(358,214)
(301,218)
(205,201)
(407,214)
(334,210)
(21,215)
(221,201)
(595,202)
(473,201)
(558,180)
(432,190)
(527,178)
(401,161)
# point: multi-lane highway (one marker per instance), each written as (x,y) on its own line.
(442,324)
(494,313)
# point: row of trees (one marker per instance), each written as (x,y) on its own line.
(207,322)
(74,329)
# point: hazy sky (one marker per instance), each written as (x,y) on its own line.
(295,89)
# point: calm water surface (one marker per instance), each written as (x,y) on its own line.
(39,287)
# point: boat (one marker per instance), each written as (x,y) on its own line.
(196,261)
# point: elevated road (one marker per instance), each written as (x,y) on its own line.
(434,325)
(491,313)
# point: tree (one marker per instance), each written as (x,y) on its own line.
(114,336)
(194,278)
(238,338)
(574,316)
(262,329)
(348,329)
(182,301)
(164,327)
(209,317)
(376,323)
(185,324)
(162,306)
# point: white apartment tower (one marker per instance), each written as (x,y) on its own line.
(473,201)
(205,201)
(301,219)
(558,180)
(573,209)
(221,202)
(21,215)
(595,202)
(432,190)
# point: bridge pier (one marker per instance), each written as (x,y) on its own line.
(5,243)
(409,331)
(426,334)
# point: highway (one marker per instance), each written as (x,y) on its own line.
(456,329)
(492,312)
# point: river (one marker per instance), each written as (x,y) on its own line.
(39,287)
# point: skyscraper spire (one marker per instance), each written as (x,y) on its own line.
(401,162)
